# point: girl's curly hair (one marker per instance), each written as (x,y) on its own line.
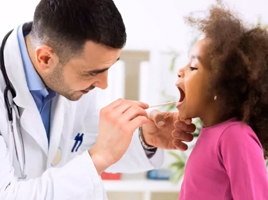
(238,56)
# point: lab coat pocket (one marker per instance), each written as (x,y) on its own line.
(89,139)
(75,144)
(67,150)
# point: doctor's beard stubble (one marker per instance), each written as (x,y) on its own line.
(56,82)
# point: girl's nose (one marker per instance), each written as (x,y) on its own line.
(180,76)
(181,73)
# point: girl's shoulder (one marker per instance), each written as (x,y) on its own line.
(236,126)
(238,133)
(230,132)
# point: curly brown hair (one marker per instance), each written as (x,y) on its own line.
(238,55)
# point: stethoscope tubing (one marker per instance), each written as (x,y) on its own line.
(10,105)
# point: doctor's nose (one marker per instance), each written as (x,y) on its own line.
(102,81)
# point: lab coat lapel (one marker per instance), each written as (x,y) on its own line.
(56,124)
(30,120)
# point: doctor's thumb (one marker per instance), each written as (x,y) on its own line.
(157,117)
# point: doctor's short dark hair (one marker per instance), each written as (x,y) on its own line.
(238,54)
(66,25)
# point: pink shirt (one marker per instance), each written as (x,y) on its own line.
(226,163)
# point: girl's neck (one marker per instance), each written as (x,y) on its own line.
(211,118)
(210,122)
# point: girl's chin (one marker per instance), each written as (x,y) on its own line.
(183,115)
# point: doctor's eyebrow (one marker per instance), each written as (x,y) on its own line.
(97,71)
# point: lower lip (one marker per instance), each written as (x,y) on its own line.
(179,104)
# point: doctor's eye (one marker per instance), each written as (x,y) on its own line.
(93,74)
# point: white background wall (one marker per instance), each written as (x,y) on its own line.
(153,25)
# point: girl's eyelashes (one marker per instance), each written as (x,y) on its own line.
(193,68)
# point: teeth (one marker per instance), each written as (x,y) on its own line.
(182,95)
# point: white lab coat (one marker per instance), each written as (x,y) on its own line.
(72,175)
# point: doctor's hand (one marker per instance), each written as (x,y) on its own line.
(165,130)
(118,121)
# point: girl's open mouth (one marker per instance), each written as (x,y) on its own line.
(182,97)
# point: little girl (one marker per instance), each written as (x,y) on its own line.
(225,84)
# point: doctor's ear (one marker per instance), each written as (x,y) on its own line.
(46,58)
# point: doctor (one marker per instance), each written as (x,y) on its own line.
(55,140)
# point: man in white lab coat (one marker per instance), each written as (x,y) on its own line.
(56,140)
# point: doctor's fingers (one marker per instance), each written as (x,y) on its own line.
(132,113)
(186,121)
(122,105)
(183,136)
(182,126)
(118,119)
(136,123)
(180,145)
(126,105)
(130,120)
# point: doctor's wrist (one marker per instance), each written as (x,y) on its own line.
(144,144)
(101,164)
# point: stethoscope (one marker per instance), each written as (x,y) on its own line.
(9,94)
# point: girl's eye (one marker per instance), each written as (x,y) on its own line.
(193,68)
